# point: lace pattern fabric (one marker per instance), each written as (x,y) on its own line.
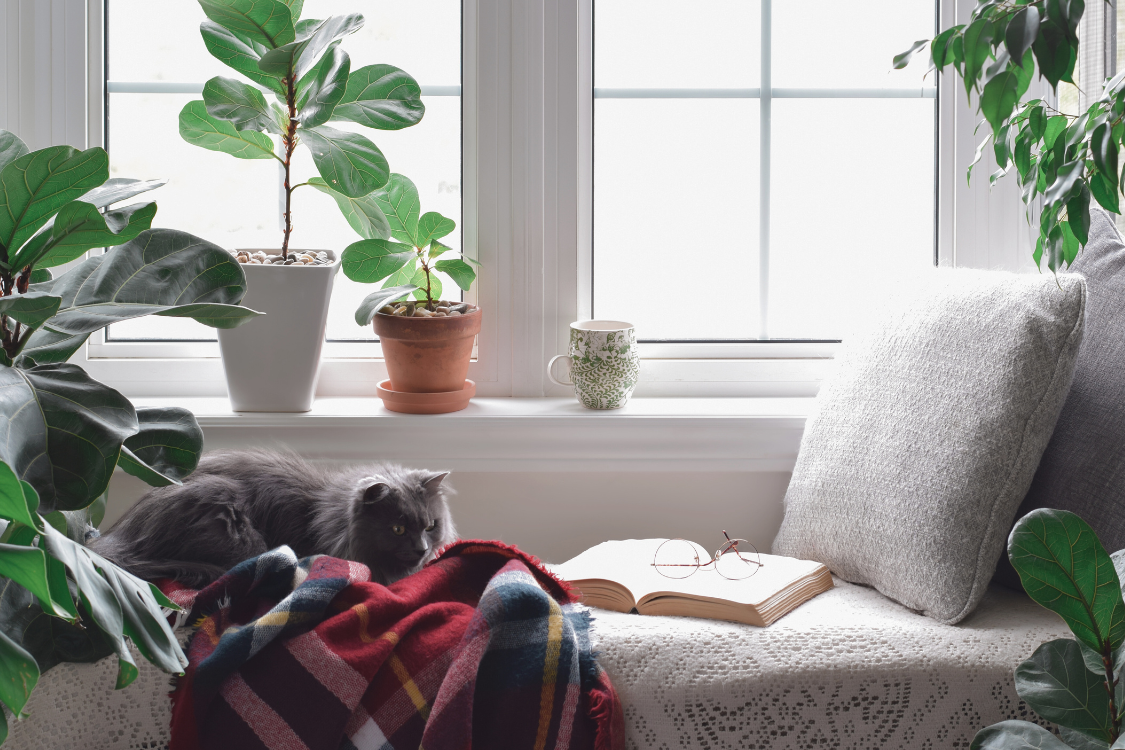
(849,669)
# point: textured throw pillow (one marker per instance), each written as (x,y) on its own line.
(928,432)
(1083,468)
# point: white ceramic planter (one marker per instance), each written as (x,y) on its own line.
(272,362)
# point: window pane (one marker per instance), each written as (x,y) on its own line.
(672,44)
(852,207)
(676,216)
(236,203)
(833,44)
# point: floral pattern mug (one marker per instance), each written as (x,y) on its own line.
(604,363)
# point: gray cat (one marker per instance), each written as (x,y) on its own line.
(238,504)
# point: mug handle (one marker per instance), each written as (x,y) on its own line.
(550,366)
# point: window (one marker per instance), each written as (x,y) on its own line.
(758,169)
(237,203)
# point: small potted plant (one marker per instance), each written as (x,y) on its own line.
(273,365)
(427,342)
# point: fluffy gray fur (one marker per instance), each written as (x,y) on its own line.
(238,504)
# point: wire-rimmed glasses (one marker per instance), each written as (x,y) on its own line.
(736,560)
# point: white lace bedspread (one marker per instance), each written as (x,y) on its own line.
(849,669)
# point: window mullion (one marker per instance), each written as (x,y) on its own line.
(764,113)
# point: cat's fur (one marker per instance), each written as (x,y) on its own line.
(238,504)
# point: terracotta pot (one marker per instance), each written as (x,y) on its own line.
(427,355)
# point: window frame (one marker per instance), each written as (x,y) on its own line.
(527,138)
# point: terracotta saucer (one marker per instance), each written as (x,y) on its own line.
(426,403)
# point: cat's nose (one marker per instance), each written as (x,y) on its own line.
(421,552)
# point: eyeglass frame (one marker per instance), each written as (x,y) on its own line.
(730,546)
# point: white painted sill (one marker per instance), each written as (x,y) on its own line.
(526,434)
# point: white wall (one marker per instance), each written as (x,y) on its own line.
(556,515)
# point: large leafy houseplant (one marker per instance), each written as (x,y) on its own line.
(300,62)
(64,432)
(1075,683)
(1062,161)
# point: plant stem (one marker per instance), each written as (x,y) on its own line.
(290,141)
(1111,688)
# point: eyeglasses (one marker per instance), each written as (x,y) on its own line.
(736,560)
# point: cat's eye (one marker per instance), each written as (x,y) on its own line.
(398,529)
(432,526)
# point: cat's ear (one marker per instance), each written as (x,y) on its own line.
(375,492)
(433,482)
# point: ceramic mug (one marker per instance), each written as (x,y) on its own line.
(604,363)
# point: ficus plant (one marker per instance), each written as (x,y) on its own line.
(1062,161)
(1073,682)
(409,262)
(64,432)
(300,63)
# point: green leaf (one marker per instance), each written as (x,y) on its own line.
(1078,215)
(399,203)
(400,277)
(16,504)
(46,346)
(382,97)
(297,57)
(1103,149)
(117,189)
(330,78)
(1064,567)
(33,309)
(461,272)
(1078,741)
(373,302)
(1071,246)
(35,186)
(999,98)
(19,675)
(27,566)
(1022,31)
(437,249)
(978,39)
(419,279)
(1053,52)
(1054,128)
(941,47)
(1061,189)
(11,148)
(201,129)
(70,431)
(902,59)
(433,226)
(348,162)
(166,448)
(976,159)
(1037,122)
(265,22)
(363,214)
(1056,684)
(240,53)
(368,261)
(161,272)
(295,8)
(79,227)
(1016,735)
(242,106)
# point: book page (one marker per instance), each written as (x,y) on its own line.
(629,563)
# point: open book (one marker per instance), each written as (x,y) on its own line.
(619,576)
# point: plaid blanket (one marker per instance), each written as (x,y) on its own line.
(482,649)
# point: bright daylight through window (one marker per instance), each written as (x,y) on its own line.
(761,155)
(237,203)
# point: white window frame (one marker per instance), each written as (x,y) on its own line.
(527,105)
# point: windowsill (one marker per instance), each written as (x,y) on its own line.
(526,434)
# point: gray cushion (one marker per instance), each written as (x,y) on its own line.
(927,434)
(1083,468)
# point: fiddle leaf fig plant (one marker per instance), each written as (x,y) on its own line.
(299,63)
(1062,160)
(409,262)
(65,433)
(1075,683)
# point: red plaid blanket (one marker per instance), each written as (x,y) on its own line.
(480,649)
